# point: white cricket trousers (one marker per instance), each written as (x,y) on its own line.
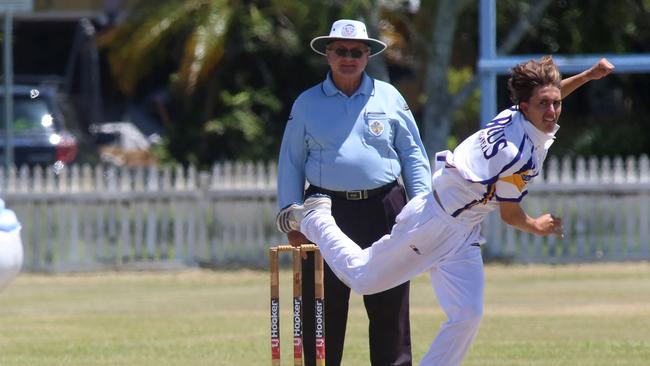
(424,238)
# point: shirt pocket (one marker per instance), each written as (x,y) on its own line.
(377,131)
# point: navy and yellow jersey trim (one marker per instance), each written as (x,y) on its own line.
(516,158)
(521,177)
(507,166)
(489,194)
(518,199)
(490,191)
(516,180)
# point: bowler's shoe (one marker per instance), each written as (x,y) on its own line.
(290,217)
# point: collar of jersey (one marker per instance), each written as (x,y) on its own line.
(538,137)
(365,88)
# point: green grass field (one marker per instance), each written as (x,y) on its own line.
(534,315)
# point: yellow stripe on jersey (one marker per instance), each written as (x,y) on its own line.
(517,180)
(490,193)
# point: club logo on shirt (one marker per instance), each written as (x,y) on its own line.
(348,30)
(519,180)
(376,127)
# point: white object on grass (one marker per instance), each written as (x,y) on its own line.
(11,247)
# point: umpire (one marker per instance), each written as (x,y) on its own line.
(351,137)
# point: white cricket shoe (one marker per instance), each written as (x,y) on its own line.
(290,217)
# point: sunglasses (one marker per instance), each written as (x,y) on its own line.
(345,52)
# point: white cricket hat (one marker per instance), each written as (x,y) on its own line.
(346,29)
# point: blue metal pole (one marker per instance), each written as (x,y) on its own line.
(625,63)
(487,50)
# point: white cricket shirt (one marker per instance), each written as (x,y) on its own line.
(492,165)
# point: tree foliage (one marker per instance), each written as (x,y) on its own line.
(232,68)
(605,117)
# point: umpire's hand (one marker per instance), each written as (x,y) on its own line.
(296,239)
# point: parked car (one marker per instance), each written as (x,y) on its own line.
(40,134)
(123,144)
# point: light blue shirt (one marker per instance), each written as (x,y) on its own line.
(343,143)
(8,220)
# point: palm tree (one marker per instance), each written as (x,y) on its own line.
(143,40)
(197,44)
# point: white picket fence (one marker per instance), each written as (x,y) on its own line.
(604,205)
(100,217)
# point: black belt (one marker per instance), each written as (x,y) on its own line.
(356,195)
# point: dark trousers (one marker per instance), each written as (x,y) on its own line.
(364,222)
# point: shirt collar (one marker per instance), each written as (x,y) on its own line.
(366,88)
(538,137)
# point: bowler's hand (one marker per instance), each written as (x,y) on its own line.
(600,70)
(550,225)
(296,239)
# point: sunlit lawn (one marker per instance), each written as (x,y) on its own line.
(534,315)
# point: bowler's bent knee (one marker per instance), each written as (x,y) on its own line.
(468,317)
